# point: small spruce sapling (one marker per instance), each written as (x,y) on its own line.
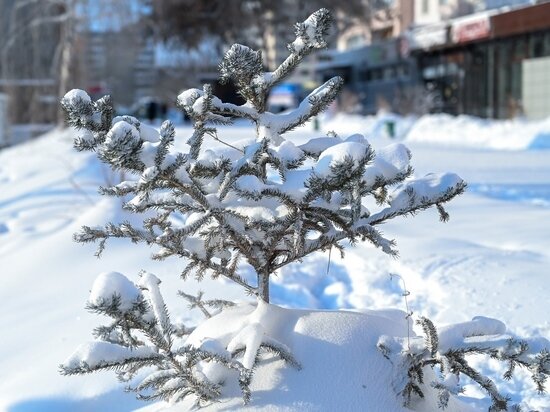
(269,203)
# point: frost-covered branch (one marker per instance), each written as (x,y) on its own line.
(141,339)
(311,106)
(448,350)
(142,345)
(203,305)
(310,35)
(420,194)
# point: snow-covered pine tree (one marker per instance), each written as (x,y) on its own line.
(269,203)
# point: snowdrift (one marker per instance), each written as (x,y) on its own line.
(342,369)
(374,127)
(469,131)
(448,130)
(48,191)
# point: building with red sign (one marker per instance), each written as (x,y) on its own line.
(491,63)
(485,65)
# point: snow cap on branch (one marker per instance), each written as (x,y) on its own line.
(92,355)
(240,64)
(353,152)
(75,97)
(110,287)
(189,97)
(311,33)
(428,187)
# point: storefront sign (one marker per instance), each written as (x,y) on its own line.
(428,36)
(473,28)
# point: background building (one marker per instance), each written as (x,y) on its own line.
(448,56)
(480,67)
(480,57)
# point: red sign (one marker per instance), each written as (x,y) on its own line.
(471,29)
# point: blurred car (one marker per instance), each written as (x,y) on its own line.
(284,97)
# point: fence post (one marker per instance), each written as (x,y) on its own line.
(3,120)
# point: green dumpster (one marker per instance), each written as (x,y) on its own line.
(390,128)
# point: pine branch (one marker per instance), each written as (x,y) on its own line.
(196,302)
(310,35)
(478,339)
(317,101)
(430,332)
(416,205)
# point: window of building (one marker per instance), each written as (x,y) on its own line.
(376,74)
(425,6)
(355,41)
(382,34)
(402,71)
(537,46)
(389,73)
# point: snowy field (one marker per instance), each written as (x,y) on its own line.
(492,258)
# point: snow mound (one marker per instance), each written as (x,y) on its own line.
(373,127)
(341,367)
(447,130)
(469,131)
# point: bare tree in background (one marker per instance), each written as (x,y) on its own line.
(43,46)
(37,39)
(118,54)
(189,22)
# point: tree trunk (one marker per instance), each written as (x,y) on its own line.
(67,38)
(263,285)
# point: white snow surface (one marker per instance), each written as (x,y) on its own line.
(474,132)
(491,259)
(446,130)
(341,367)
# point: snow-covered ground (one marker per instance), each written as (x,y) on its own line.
(491,259)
